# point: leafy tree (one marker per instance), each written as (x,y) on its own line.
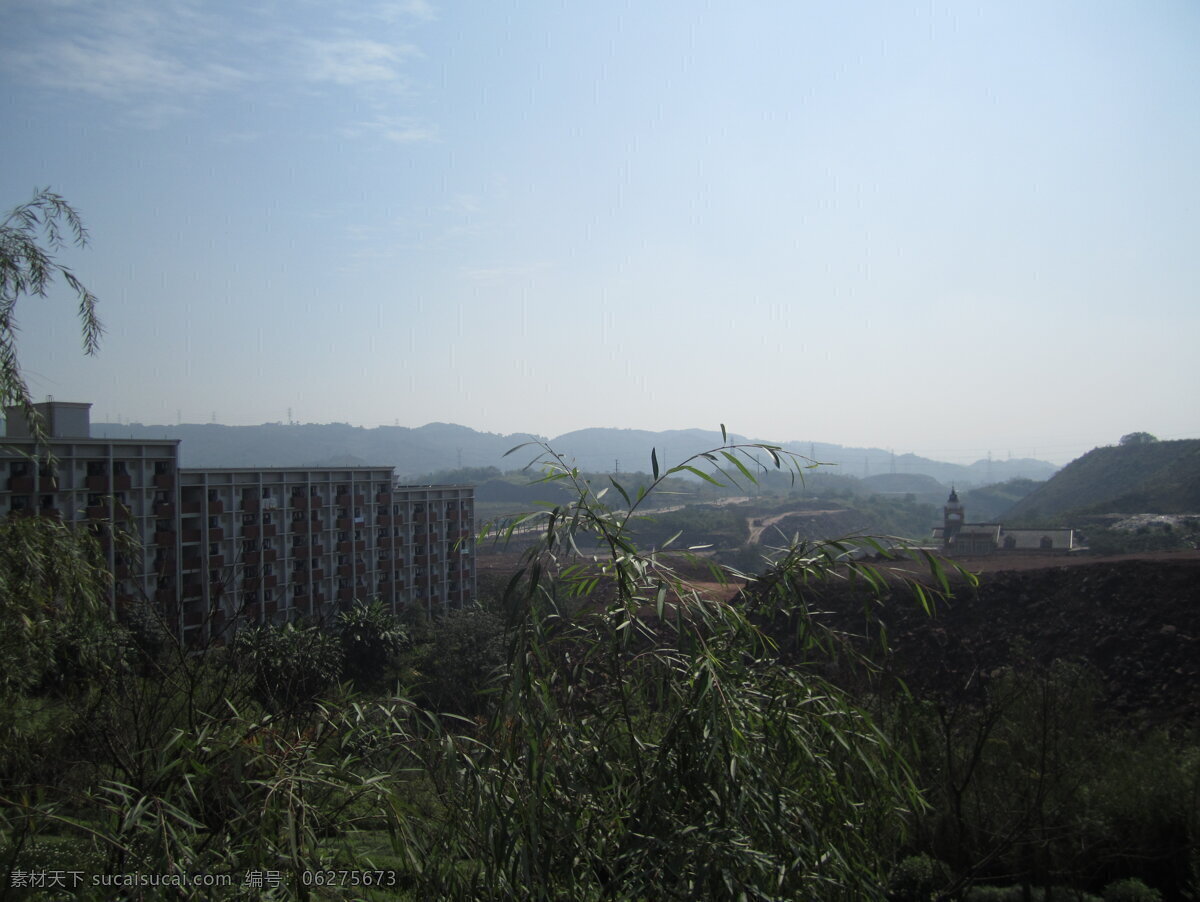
(371,639)
(30,235)
(646,740)
(1138,438)
(291,665)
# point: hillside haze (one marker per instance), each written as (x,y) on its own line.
(445,446)
(1158,477)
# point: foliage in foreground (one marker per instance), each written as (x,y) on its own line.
(637,739)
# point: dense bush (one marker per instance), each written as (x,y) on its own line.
(1130,890)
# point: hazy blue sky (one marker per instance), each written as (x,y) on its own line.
(946,228)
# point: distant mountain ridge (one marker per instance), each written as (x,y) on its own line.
(1159,477)
(443,446)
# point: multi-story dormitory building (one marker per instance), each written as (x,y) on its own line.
(241,544)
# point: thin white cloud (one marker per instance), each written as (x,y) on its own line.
(156,61)
(119,69)
(391,11)
(492,275)
(358,62)
(397,129)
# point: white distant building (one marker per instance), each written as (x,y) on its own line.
(242,545)
(958,537)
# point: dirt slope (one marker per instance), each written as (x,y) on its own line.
(1135,619)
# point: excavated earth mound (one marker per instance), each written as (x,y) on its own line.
(1135,620)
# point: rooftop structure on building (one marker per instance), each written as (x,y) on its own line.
(228,546)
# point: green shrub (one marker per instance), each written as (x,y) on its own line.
(1130,889)
(915,879)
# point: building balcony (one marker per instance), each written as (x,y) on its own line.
(22,484)
(190,507)
(164,509)
(96,512)
(122,482)
(216,507)
(344,523)
(345,570)
(216,535)
(251,505)
(164,481)
(97,483)
(345,595)
(190,535)
(343,547)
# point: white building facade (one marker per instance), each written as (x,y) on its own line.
(229,546)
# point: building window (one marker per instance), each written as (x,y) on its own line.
(297,516)
(214,523)
(95,500)
(161,468)
(297,590)
(268,569)
(297,541)
(247,519)
(94,468)
(249,545)
(214,548)
(266,519)
(268,595)
(213,496)
(268,544)
(250,572)
(119,468)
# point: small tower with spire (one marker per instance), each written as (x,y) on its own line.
(952,518)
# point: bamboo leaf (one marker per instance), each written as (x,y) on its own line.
(701,474)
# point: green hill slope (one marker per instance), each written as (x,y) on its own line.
(1161,478)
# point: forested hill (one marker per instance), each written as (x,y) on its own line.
(444,446)
(1158,477)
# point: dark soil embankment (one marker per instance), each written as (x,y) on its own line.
(1136,621)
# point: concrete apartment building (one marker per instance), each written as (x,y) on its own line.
(222,546)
